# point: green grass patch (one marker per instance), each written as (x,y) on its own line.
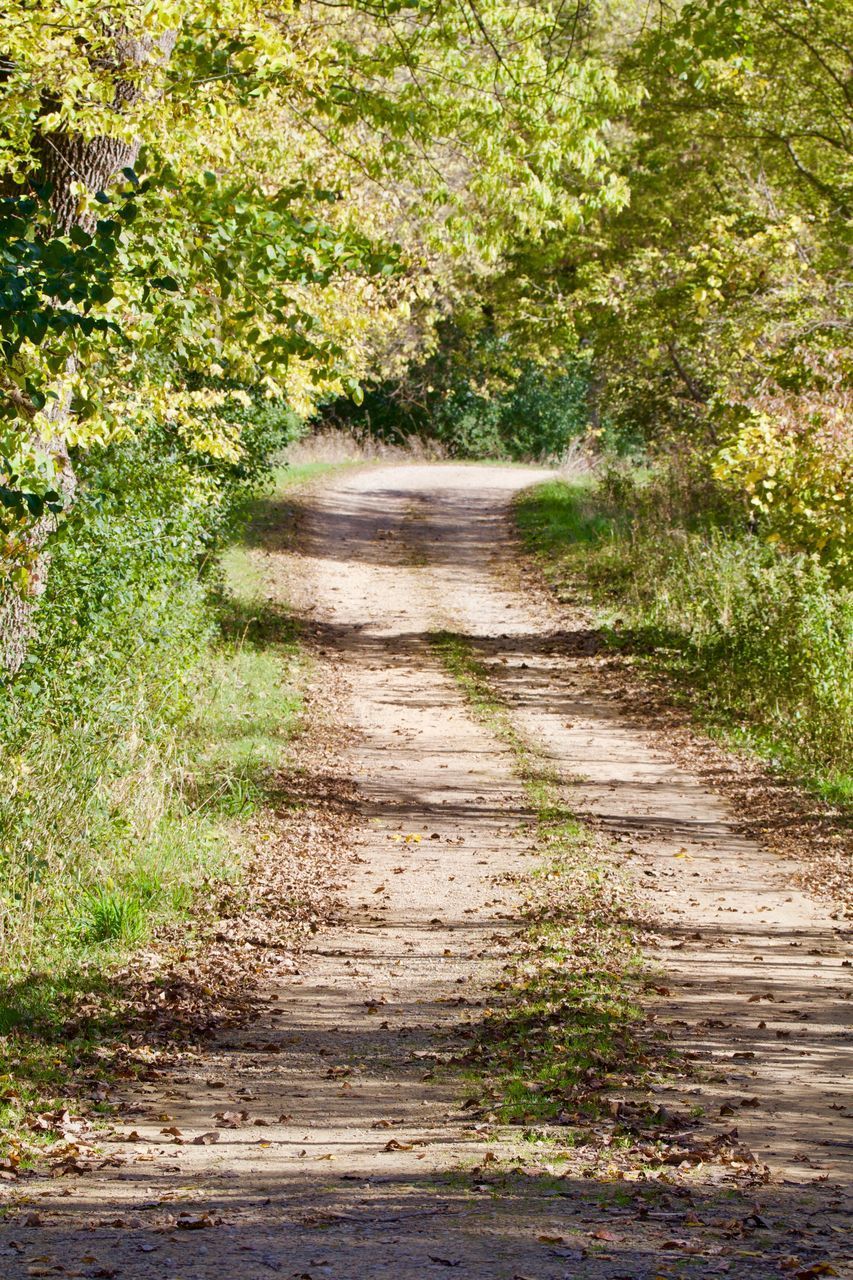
(569,1026)
(295,475)
(561,514)
(116,823)
(758,643)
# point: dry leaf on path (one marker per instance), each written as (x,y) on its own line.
(196,1221)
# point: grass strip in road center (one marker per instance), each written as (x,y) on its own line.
(569,1032)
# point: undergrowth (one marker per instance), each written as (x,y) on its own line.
(126,782)
(454,402)
(569,1025)
(761,640)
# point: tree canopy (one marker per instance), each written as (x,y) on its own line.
(209,205)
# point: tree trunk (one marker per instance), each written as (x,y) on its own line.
(66,158)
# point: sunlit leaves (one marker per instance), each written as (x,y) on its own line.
(321,185)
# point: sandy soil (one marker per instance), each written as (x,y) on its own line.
(346,1150)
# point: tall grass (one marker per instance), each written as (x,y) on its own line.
(147,719)
(763,639)
(110,822)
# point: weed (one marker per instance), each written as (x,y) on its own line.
(761,640)
(569,1025)
(110,915)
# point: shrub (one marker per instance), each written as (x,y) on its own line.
(536,415)
(798,477)
(764,639)
(94,729)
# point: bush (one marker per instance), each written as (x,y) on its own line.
(536,417)
(95,743)
(765,639)
(798,477)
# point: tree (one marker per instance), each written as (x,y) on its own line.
(315,184)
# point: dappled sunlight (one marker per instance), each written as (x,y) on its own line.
(396,1101)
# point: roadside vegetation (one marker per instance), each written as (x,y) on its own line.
(509,228)
(759,643)
(139,749)
(110,731)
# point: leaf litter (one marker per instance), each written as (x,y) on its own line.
(217,990)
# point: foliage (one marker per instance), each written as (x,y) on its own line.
(764,641)
(98,745)
(115,321)
(713,307)
(723,290)
(332,195)
(458,399)
(260,239)
(49,287)
(798,476)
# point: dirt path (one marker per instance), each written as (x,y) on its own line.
(366,1163)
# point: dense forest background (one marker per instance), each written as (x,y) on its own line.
(516,230)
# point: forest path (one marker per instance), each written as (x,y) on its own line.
(367,1165)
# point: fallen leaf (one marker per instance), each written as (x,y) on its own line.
(231,1119)
(195,1221)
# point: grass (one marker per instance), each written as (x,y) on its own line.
(759,643)
(110,822)
(569,1026)
(111,915)
(295,475)
(130,831)
(154,818)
